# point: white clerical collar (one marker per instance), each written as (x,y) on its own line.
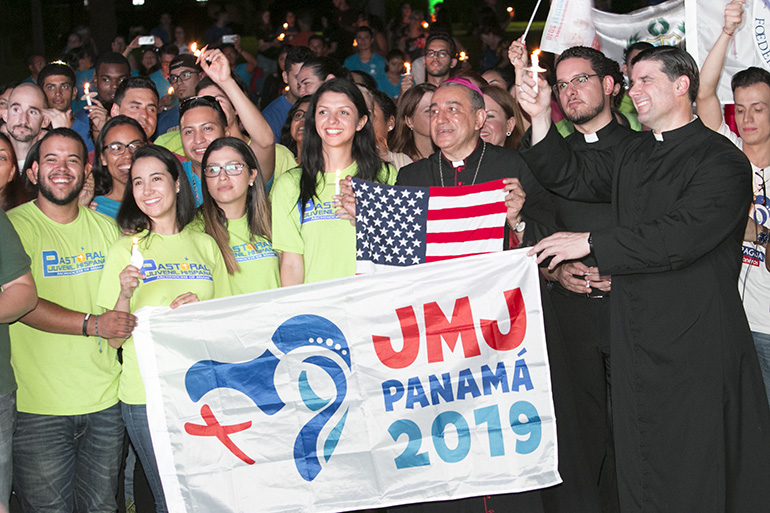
(591,138)
(659,136)
(458,163)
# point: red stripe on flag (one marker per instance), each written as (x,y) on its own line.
(466,212)
(436,192)
(495,232)
(439,258)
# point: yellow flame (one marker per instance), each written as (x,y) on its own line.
(425,24)
(510,9)
(170,90)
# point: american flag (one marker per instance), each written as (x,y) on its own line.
(401,226)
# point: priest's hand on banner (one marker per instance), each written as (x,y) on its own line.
(514,200)
(345,201)
(561,246)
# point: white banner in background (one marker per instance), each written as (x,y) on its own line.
(749,46)
(426,384)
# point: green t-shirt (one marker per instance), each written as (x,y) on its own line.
(64,374)
(326,242)
(188,261)
(284,160)
(14,263)
(172,141)
(255,257)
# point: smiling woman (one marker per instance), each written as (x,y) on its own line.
(180,265)
(338,141)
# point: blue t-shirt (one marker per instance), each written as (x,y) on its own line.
(195,182)
(161,84)
(167,121)
(107,206)
(385,85)
(375,67)
(275,114)
(241,71)
(82,127)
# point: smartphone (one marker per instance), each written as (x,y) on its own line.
(231,39)
(146,40)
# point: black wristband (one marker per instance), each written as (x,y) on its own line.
(591,242)
(85,324)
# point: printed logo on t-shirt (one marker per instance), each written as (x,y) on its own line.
(323,211)
(186,270)
(55,265)
(252,251)
(755,255)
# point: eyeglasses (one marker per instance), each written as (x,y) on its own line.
(117,148)
(576,82)
(432,54)
(184,77)
(229,169)
(198,101)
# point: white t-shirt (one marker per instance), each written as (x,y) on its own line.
(754,283)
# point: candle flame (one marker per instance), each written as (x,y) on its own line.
(171,90)
(463,56)
(425,24)
(285,25)
(86,87)
(286,88)
(536,52)
(408,66)
(135,240)
(281,36)
(510,9)
(194,50)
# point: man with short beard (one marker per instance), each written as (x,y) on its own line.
(69,434)
(584,86)
(24,118)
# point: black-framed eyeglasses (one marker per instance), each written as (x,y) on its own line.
(229,169)
(118,148)
(183,76)
(198,101)
(577,82)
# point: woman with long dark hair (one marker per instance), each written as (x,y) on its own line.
(119,138)
(174,264)
(236,214)
(13,190)
(292,133)
(338,142)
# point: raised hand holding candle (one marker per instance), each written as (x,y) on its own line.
(137,260)
(87,91)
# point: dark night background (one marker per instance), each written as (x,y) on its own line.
(42,26)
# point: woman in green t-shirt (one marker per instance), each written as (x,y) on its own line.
(338,142)
(236,213)
(172,265)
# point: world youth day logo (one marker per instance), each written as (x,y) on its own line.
(319,343)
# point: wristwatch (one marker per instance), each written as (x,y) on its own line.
(519,227)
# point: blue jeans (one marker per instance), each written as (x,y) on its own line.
(135,417)
(762,343)
(68,463)
(7,426)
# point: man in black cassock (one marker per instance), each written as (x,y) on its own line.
(690,417)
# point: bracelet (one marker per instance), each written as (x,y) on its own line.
(85,324)
(728,33)
(96,326)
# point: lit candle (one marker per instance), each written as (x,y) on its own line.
(337,184)
(535,66)
(87,91)
(408,66)
(285,25)
(510,9)
(137,260)
(281,36)
(463,56)
(425,24)
(171,90)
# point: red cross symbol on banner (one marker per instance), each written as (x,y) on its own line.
(222,433)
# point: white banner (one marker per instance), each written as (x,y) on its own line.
(577,23)
(355,393)
(749,46)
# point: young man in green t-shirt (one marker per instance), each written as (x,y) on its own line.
(69,433)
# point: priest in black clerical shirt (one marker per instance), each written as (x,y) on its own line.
(690,416)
